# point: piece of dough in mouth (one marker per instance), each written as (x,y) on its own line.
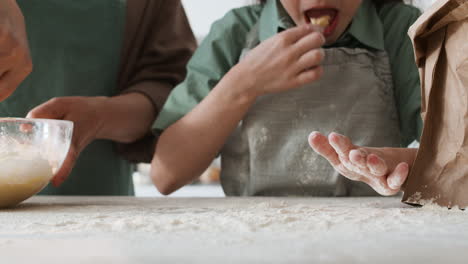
(322,21)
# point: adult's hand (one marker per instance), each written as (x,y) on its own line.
(123,118)
(15,59)
(84,113)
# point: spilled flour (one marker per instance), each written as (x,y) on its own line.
(227,215)
(431,204)
(231,230)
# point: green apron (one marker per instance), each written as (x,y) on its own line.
(268,154)
(75,48)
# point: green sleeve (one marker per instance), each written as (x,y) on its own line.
(397,18)
(217,54)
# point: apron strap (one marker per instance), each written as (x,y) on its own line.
(252,40)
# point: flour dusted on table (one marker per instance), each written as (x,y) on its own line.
(243,230)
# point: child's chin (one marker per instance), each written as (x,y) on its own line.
(331,39)
(334,36)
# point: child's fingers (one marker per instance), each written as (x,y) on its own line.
(358,158)
(341,144)
(396,179)
(311,59)
(309,42)
(294,34)
(380,185)
(309,76)
(376,165)
(319,144)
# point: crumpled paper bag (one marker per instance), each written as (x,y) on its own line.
(440,171)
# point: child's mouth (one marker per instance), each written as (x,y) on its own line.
(326,18)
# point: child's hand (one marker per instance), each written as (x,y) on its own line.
(384,169)
(15,60)
(288,60)
(83,111)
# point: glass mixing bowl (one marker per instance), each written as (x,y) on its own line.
(31,152)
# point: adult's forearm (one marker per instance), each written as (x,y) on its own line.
(125,118)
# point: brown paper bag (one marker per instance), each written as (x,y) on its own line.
(440,171)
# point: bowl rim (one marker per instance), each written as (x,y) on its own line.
(44,120)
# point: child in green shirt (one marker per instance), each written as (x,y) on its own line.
(265,77)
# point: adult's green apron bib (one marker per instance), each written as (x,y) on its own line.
(75,48)
(269,154)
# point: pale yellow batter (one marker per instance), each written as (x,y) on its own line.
(22,177)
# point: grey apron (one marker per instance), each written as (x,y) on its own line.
(268,154)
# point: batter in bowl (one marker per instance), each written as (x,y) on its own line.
(22,176)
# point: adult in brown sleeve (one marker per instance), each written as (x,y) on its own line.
(108,66)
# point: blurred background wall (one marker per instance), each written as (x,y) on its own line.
(202,13)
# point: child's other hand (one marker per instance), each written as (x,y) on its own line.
(15,60)
(384,169)
(84,113)
(287,60)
